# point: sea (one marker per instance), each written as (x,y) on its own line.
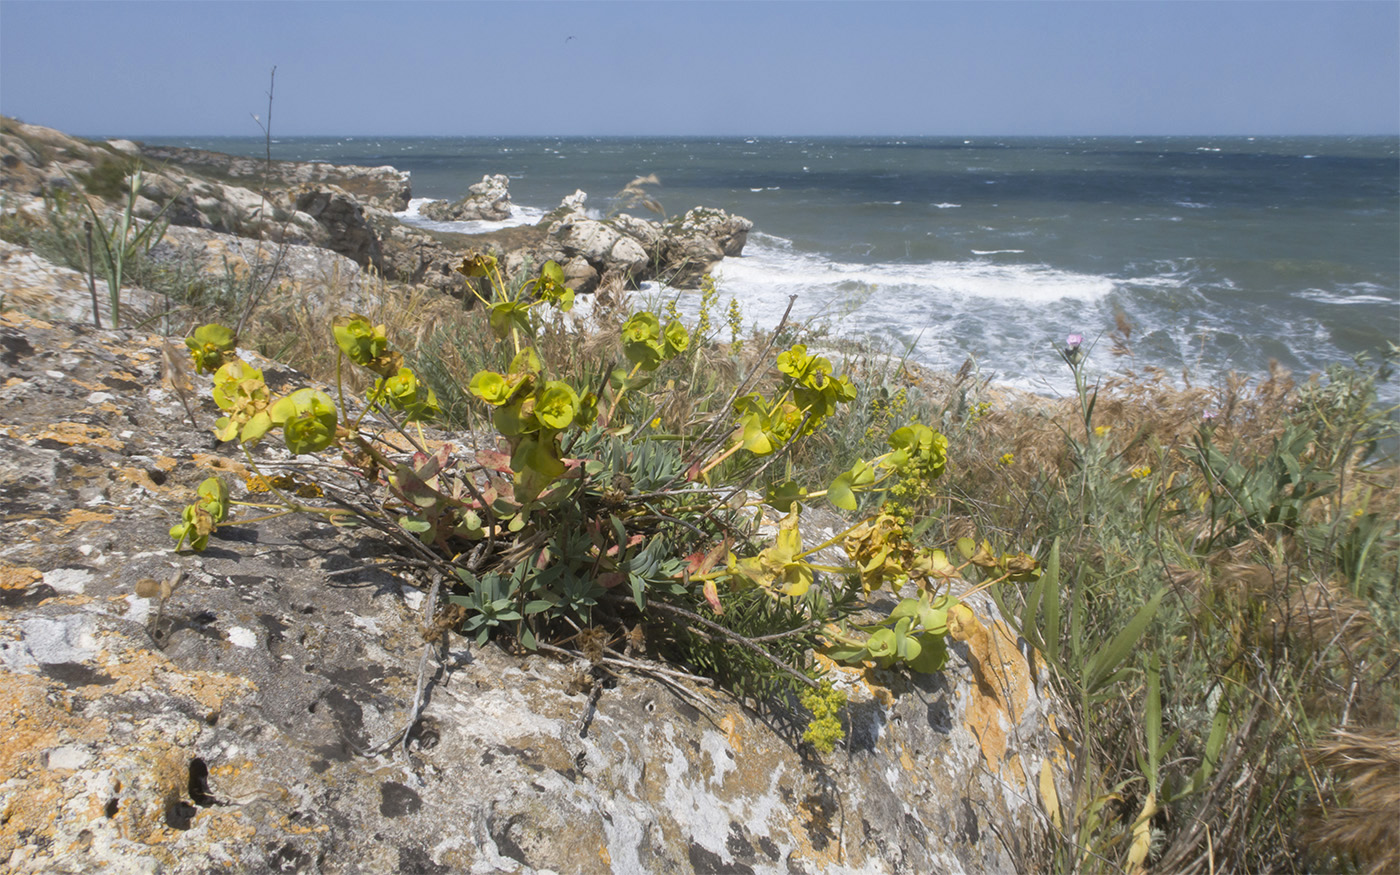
(1220,253)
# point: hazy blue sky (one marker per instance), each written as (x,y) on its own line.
(1050,67)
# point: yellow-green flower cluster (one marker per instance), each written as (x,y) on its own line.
(826,704)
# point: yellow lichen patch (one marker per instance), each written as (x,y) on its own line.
(166,463)
(75,433)
(1000,696)
(32,722)
(221,465)
(18,576)
(90,386)
(907,762)
(13,381)
(19,320)
(74,600)
(729,726)
(136,668)
(77,516)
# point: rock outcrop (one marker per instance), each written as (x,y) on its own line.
(487,200)
(679,252)
(220,725)
(350,211)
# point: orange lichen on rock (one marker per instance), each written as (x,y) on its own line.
(19,320)
(74,434)
(1003,691)
(18,576)
(729,726)
(78,516)
(31,722)
(135,668)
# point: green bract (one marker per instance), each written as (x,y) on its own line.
(213,495)
(677,340)
(920,445)
(403,392)
(365,344)
(194,529)
(509,315)
(211,346)
(199,519)
(232,381)
(240,391)
(809,370)
(842,490)
(308,420)
(549,287)
(556,405)
(641,340)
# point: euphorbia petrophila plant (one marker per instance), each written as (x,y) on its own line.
(577,502)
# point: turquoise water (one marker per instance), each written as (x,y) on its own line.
(1222,253)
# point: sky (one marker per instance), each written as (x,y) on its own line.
(1046,67)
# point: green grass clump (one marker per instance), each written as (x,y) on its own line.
(1219,608)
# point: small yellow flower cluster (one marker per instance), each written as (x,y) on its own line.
(1101,430)
(1141,472)
(1008,458)
(708,295)
(884,412)
(735,318)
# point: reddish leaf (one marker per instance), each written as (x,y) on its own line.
(712,596)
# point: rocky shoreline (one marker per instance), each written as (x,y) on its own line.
(352,211)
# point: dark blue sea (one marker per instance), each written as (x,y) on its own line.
(1221,253)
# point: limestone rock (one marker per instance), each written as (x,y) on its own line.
(489,200)
(688,257)
(697,241)
(347,230)
(604,247)
(579,275)
(729,233)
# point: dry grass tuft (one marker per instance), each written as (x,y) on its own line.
(1365,769)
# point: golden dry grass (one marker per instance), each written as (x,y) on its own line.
(1364,826)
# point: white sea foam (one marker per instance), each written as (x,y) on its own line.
(997,251)
(1355,293)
